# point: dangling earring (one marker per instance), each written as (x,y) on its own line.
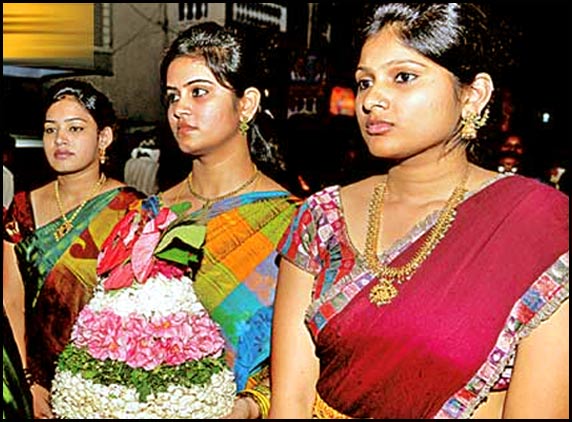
(102,156)
(243,127)
(471,123)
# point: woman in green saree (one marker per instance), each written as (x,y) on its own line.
(209,83)
(52,235)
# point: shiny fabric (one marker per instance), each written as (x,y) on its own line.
(236,279)
(450,335)
(17,399)
(59,276)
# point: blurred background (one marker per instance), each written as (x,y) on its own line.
(310,51)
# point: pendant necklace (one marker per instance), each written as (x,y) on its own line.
(67,225)
(384,291)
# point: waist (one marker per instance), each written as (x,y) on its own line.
(323,410)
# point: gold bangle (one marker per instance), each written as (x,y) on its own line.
(30,377)
(261,396)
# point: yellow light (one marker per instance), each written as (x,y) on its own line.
(47,31)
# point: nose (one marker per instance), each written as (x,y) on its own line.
(61,138)
(181,108)
(375,98)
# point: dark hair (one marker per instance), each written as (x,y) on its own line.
(98,105)
(461,37)
(95,102)
(235,66)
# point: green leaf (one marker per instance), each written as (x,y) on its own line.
(191,234)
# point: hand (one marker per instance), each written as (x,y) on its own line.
(41,402)
(244,408)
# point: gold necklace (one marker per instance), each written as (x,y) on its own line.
(209,201)
(385,291)
(67,225)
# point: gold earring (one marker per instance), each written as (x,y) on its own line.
(243,127)
(471,123)
(102,156)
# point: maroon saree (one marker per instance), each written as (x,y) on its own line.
(450,336)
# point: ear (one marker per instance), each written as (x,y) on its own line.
(248,104)
(105,137)
(478,94)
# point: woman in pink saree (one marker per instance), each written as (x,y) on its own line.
(439,289)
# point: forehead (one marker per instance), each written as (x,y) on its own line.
(68,105)
(386,46)
(513,140)
(184,68)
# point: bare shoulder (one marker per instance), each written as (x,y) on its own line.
(265,183)
(479,177)
(361,190)
(112,184)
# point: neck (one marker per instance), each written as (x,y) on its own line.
(215,180)
(76,184)
(423,182)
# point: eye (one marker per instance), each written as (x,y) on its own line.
(405,77)
(75,129)
(199,92)
(364,84)
(170,98)
(49,130)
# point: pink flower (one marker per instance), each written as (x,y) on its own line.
(116,248)
(119,277)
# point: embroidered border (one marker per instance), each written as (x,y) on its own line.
(538,303)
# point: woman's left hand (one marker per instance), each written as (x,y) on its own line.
(244,408)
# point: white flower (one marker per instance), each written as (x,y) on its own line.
(74,397)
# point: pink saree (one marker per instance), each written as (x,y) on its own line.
(450,336)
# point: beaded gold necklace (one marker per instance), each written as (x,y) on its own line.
(385,291)
(209,201)
(67,225)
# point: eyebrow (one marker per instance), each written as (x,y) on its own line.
(396,63)
(192,81)
(71,119)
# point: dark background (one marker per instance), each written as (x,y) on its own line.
(317,146)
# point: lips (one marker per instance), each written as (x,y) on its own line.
(185,129)
(62,154)
(378,127)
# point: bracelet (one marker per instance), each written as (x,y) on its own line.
(30,377)
(261,395)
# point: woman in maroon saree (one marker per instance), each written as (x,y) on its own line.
(472,318)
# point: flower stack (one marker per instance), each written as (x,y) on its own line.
(144,346)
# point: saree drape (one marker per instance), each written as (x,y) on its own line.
(59,275)
(450,335)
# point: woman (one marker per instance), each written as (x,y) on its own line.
(52,234)
(209,85)
(438,289)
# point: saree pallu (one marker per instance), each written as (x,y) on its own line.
(236,281)
(17,404)
(59,275)
(449,338)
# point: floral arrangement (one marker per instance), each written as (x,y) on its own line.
(144,346)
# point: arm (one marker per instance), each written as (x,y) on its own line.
(294,367)
(539,387)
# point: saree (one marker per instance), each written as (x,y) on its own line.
(449,338)
(17,404)
(59,275)
(235,276)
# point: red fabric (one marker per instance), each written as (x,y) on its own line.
(404,360)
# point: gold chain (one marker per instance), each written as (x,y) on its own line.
(67,225)
(209,201)
(385,291)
